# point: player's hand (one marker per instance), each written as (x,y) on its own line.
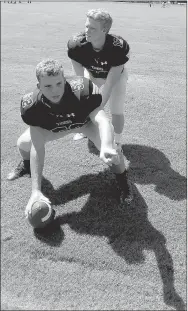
(35,196)
(109,156)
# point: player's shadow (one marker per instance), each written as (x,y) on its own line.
(148,165)
(52,234)
(129,231)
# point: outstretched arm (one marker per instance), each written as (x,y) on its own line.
(106,131)
(113,76)
(108,152)
(37,155)
(77,68)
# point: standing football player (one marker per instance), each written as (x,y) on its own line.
(56,108)
(101,57)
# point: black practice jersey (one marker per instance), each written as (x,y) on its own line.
(71,112)
(115,52)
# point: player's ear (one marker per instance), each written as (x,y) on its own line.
(38,86)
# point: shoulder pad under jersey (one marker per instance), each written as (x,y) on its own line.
(28,100)
(119,44)
(118,41)
(76,40)
(81,86)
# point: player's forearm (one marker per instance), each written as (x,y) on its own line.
(106,133)
(36,164)
(106,92)
(112,78)
(106,130)
(77,68)
(37,156)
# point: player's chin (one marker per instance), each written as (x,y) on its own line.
(55,99)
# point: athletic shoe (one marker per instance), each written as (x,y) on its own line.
(126,195)
(79,136)
(23,168)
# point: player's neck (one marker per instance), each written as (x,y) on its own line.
(98,44)
(47,101)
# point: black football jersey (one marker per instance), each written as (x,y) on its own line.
(115,52)
(71,112)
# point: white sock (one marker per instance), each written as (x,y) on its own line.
(118,138)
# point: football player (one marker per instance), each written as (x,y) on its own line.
(101,57)
(58,107)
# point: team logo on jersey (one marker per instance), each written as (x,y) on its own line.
(27,100)
(77,85)
(69,115)
(104,63)
(61,128)
(98,70)
(96,60)
(118,42)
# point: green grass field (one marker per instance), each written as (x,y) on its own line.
(100,258)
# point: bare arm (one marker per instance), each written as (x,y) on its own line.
(77,68)
(113,76)
(108,152)
(106,131)
(37,155)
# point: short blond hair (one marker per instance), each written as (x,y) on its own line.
(102,16)
(49,66)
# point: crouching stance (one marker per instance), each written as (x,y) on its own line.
(60,106)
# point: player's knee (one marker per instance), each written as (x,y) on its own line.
(24,143)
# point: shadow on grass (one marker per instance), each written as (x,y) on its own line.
(52,234)
(150,166)
(129,231)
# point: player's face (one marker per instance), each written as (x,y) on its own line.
(52,87)
(93,30)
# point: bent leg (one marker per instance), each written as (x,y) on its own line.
(24,147)
(24,144)
(120,170)
(92,132)
(118,122)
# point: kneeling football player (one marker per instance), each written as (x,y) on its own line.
(57,107)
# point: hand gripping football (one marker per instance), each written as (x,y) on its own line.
(41,214)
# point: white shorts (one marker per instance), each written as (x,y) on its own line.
(117,98)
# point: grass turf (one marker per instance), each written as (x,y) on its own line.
(99,258)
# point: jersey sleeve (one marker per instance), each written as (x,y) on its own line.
(120,51)
(28,109)
(75,51)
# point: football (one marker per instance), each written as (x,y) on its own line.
(42,214)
